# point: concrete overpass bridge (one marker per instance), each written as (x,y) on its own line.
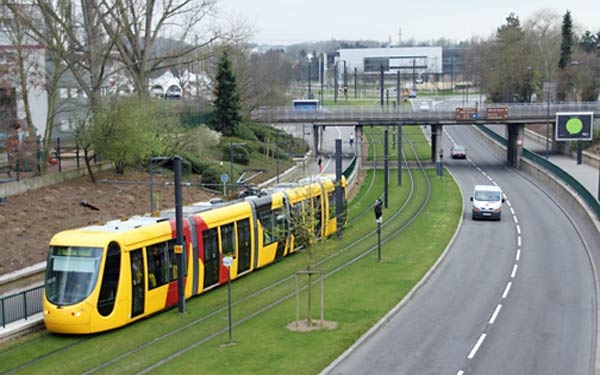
(514,116)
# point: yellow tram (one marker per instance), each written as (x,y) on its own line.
(106,276)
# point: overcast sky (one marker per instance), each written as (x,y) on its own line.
(292,21)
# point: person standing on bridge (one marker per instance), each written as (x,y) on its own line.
(351,139)
(320,164)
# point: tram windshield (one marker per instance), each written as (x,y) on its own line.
(71,273)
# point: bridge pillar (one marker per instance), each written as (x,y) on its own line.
(316,139)
(436,141)
(514,149)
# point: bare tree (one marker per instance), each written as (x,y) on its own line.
(264,78)
(24,61)
(543,33)
(73,36)
(151,36)
(519,59)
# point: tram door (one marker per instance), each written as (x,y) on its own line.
(244,248)
(211,257)
(137,281)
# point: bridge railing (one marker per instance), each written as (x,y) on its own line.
(560,174)
(393,113)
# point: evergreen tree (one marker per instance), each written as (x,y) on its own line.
(226,115)
(566,45)
(511,58)
(566,50)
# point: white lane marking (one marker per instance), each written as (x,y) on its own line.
(515,220)
(461,372)
(518,255)
(512,211)
(518,241)
(495,314)
(477,345)
(507,289)
(514,271)
(490,178)
(507,202)
(518,229)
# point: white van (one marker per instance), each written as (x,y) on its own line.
(487,202)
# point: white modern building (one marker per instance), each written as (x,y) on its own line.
(406,60)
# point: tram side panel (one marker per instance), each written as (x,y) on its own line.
(225,231)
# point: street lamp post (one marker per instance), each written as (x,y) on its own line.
(309,56)
(575,63)
(548,115)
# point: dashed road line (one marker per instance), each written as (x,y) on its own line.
(506,290)
(495,314)
(477,346)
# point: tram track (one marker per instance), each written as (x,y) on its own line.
(279,292)
(345,264)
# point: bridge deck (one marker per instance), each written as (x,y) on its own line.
(376,115)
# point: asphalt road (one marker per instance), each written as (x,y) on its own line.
(510,297)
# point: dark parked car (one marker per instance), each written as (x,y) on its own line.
(458,152)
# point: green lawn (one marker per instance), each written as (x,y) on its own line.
(411,134)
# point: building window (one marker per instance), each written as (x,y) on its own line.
(373,64)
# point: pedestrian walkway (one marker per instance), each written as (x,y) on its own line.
(586,174)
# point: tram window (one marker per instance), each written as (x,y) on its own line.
(266,219)
(110,280)
(162,264)
(137,281)
(281,224)
(211,245)
(332,209)
(228,240)
(243,227)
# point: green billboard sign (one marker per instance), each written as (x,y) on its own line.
(574,126)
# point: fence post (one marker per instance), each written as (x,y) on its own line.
(3,313)
(25,304)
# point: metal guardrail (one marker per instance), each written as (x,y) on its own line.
(583,193)
(350,168)
(553,169)
(516,112)
(21,305)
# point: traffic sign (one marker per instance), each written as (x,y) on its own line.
(496,113)
(574,126)
(224,178)
(465,114)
